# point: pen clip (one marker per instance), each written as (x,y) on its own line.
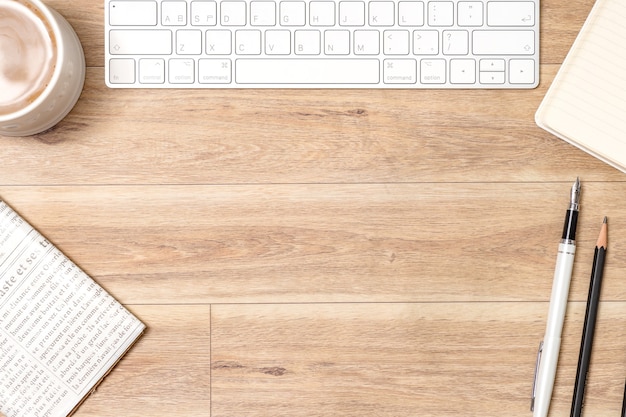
(532,398)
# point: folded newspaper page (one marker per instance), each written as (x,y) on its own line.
(60,332)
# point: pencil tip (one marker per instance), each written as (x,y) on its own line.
(603,238)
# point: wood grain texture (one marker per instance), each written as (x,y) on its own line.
(402,359)
(349,243)
(295,136)
(166,373)
(328,252)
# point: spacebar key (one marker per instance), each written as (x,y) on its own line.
(307,71)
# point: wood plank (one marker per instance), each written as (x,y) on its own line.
(339,243)
(196,137)
(166,373)
(429,360)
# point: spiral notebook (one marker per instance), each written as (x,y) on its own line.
(586,103)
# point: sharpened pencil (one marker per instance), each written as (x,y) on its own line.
(593,300)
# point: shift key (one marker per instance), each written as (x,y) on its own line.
(140,42)
(503,42)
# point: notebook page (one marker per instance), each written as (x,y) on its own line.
(586,103)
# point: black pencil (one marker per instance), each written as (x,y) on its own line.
(591,313)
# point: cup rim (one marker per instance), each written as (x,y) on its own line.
(60,56)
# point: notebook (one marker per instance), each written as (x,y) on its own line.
(60,332)
(586,103)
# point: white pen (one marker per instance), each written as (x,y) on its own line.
(548,354)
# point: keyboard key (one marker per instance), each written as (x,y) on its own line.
(214,71)
(492,71)
(248,42)
(122,71)
(277,42)
(400,71)
(470,13)
(307,71)
(410,13)
(337,42)
(322,13)
(503,42)
(425,42)
(140,42)
(433,71)
(381,13)
(203,13)
(218,42)
(188,42)
(366,42)
(173,13)
(181,71)
(522,71)
(133,13)
(396,42)
(440,13)
(463,71)
(455,42)
(492,64)
(307,42)
(351,13)
(292,13)
(492,77)
(510,13)
(233,13)
(262,13)
(151,71)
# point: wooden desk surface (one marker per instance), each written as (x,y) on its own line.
(325,253)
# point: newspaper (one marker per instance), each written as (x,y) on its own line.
(60,332)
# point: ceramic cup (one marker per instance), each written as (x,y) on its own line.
(42,67)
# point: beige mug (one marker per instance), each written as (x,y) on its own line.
(42,67)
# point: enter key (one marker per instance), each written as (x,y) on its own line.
(510,13)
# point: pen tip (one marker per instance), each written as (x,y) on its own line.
(575,194)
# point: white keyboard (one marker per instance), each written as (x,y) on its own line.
(321,44)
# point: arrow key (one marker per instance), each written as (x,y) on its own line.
(522,71)
(462,71)
(488,77)
(492,64)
